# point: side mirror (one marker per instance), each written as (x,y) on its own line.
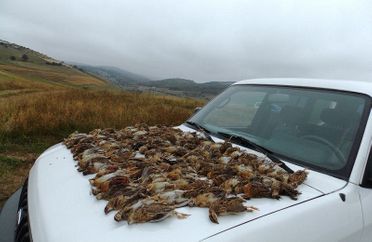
(197,109)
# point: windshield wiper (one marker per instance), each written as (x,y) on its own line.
(201,129)
(250,144)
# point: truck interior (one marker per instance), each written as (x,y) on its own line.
(315,126)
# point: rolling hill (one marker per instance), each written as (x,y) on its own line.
(114,75)
(42,100)
(25,70)
(180,84)
(172,86)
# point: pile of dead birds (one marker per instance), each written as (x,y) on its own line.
(146,172)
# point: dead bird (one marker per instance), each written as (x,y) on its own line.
(146,172)
(227,206)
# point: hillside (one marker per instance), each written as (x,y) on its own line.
(179,84)
(25,70)
(114,75)
(42,100)
(171,86)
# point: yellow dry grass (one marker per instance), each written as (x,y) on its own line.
(9,81)
(60,112)
(29,122)
(44,76)
(41,104)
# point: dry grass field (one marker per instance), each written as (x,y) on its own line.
(57,113)
(40,104)
(30,122)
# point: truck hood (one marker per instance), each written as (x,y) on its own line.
(61,207)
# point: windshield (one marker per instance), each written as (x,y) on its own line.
(315,128)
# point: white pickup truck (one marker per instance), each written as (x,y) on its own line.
(324,126)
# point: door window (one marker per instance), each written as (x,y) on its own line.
(367,181)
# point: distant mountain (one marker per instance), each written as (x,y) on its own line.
(114,75)
(174,83)
(214,87)
(135,82)
(29,70)
(190,87)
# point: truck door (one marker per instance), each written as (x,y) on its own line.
(366,200)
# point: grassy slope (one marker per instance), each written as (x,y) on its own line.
(36,74)
(41,104)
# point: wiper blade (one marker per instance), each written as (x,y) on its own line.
(201,129)
(250,144)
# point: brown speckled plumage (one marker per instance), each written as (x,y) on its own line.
(146,172)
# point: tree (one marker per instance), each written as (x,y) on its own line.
(24,57)
(13,58)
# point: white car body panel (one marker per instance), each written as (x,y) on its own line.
(326,219)
(356,175)
(364,87)
(61,207)
(366,201)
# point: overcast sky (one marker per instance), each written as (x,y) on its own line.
(203,40)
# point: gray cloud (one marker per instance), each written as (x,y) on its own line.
(202,40)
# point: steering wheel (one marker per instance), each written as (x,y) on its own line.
(321,140)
